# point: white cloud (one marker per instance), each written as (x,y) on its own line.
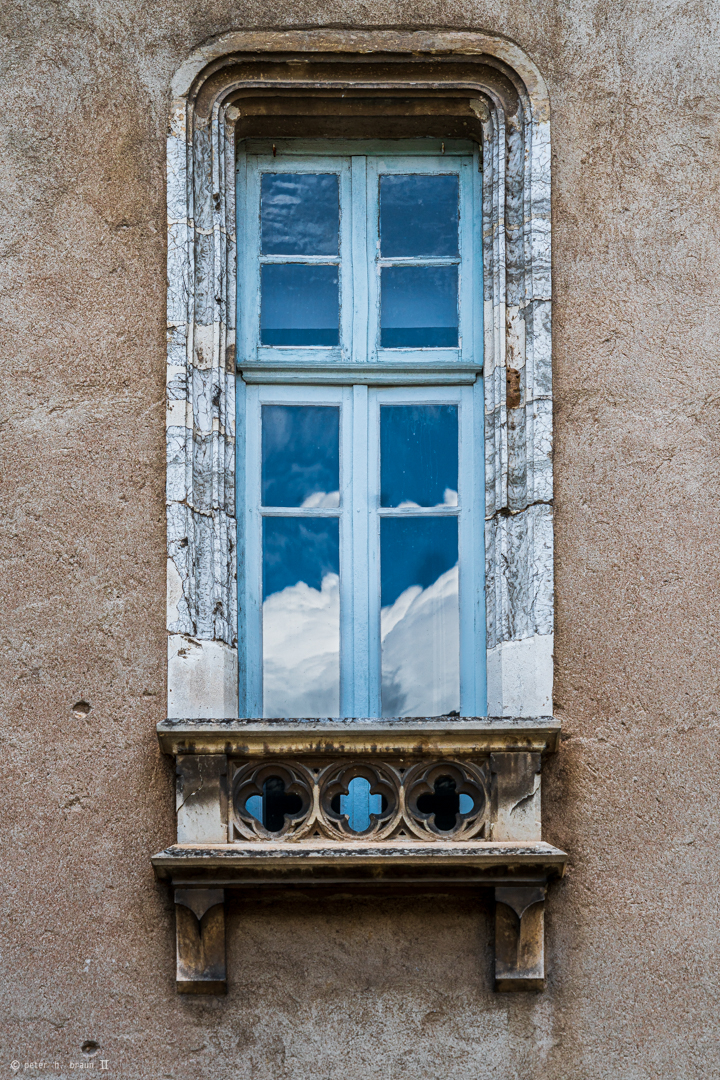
(421,650)
(450,498)
(321,498)
(301,650)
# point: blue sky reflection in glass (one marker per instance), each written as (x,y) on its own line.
(300,215)
(419,307)
(418,455)
(301,455)
(301,616)
(419,619)
(299,304)
(418,215)
(419,219)
(353,254)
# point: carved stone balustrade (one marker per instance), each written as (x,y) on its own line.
(450,802)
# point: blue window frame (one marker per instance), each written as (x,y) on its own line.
(360,429)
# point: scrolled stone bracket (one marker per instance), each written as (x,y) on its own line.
(520,937)
(200,941)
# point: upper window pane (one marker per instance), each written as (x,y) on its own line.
(419,307)
(299,304)
(418,216)
(300,214)
(300,455)
(418,455)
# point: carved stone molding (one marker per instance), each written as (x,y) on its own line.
(385,784)
(318,792)
(435,735)
(490,91)
(297,815)
(425,786)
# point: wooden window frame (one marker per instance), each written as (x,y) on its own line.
(358,165)
(360,541)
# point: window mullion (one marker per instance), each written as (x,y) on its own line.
(347,555)
(467,282)
(251,618)
(356,622)
(477,265)
(249,277)
(467,544)
(372,470)
(477,555)
(359,259)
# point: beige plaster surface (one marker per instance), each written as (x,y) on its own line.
(383,986)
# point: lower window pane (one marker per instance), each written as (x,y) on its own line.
(301,617)
(420,625)
(299,305)
(419,307)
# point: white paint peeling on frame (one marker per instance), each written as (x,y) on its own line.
(202,604)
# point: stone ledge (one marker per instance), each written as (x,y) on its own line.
(443,736)
(308,862)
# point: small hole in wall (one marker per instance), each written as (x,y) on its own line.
(90,1048)
(512,382)
(81,708)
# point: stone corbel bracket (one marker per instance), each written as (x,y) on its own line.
(496,843)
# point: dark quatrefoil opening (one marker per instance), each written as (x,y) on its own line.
(271,807)
(445,803)
(359,804)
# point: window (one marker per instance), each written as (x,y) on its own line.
(342,346)
(360,421)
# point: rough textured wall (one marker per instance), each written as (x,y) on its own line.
(386,986)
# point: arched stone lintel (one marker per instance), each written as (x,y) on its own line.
(430,43)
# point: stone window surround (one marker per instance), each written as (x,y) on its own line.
(502,98)
(510,102)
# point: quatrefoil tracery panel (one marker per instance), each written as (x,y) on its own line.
(269,794)
(444,792)
(291,801)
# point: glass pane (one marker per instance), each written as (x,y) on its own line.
(299,304)
(301,617)
(418,455)
(300,455)
(419,307)
(418,215)
(420,626)
(300,214)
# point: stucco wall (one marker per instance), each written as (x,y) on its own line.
(386,986)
